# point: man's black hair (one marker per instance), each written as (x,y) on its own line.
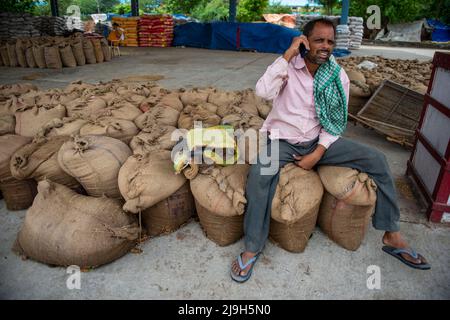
(307,29)
(115,24)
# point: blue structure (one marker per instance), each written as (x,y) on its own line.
(262,37)
(344,13)
(441,32)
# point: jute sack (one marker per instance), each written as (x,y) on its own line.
(78,52)
(159,115)
(67,57)
(30,120)
(18,194)
(52,57)
(219,194)
(89,52)
(159,138)
(107,55)
(5,56)
(195,96)
(120,109)
(16,89)
(78,87)
(62,127)
(249,106)
(191,114)
(169,214)
(263,106)
(121,129)
(12,56)
(31,62)
(7,124)
(98,51)
(347,206)
(38,160)
(95,162)
(295,207)
(20,53)
(359,89)
(141,178)
(224,98)
(39,55)
(356,75)
(243,120)
(79,230)
(85,106)
(171,100)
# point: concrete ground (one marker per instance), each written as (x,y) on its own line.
(185,264)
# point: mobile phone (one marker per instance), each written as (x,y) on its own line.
(303,50)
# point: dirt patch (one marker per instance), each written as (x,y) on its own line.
(404,188)
(34,76)
(143,78)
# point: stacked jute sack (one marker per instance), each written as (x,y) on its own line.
(54,52)
(17,25)
(348,36)
(100,155)
(356,26)
(364,82)
(342,36)
(101,152)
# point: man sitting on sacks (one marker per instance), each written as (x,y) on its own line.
(310,98)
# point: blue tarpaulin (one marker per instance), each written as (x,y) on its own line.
(192,34)
(224,35)
(441,32)
(266,37)
(261,37)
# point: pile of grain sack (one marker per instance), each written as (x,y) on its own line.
(99,159)
(365,81)
(347,36)
(54,52)
(17,25)
(130,27)
(156,30)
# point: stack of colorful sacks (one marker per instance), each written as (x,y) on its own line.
(144,26)
(156,31)
(130,27)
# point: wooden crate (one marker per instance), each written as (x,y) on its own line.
(394,111)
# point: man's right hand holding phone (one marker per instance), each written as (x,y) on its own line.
(294,49)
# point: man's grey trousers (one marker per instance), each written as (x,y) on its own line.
(260,188)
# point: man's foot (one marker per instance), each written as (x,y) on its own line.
(241,273)
(394,239)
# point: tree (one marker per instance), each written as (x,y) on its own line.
(251,10)
(328,5)
(18,6)
(215,10)
(181,6)
(124,8)
(398,11)
(278,8)
(152,6)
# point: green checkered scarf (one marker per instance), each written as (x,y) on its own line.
(329,98)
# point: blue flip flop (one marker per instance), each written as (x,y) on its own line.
(397,253)
(239,278)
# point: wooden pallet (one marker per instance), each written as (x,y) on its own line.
(393,110)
